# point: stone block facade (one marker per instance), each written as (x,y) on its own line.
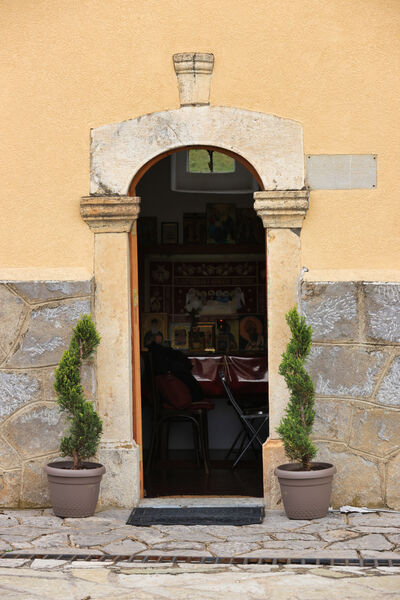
(36,321)
(355,365)
(354,362)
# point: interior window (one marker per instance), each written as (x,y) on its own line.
(209,161)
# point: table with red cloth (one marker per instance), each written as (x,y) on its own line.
(247,377)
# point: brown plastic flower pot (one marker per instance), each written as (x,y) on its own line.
(306,494)
(74,492)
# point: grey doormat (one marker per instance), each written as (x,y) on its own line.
(196,515)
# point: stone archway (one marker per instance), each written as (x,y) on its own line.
(274,147)
(271,144)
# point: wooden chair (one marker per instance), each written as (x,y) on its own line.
(163,416)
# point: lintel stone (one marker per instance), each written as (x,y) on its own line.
(110,214)
(281,209)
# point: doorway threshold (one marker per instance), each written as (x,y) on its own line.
(188,501)
(189,510)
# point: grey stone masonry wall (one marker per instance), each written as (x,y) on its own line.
(355,365)
(36,321)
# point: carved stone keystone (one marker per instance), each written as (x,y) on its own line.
(279,209)
(194,70)
(110,214)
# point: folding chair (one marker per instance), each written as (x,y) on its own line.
(248,419)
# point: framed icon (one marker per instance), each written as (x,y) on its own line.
(154,328)
(179,334)
(221,223)
(227,335)
(252,333)
(202,338)
(194,228)
(169,233)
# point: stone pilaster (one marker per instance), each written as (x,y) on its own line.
(111,218)
(194,71)
(282,213)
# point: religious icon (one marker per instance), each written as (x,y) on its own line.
(221,223)
(214,302)
(227,333)
(194,228)
(180,336)
(251,333)
(154,328)
(156,300)
(169,233)
(202,338)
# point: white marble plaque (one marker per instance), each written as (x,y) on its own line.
(341,171)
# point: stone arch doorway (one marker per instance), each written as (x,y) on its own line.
(274,147)
(136,283)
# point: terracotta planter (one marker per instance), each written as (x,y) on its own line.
(306,494)
(74,493)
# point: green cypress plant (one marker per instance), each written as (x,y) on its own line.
(295,428)
(86,426)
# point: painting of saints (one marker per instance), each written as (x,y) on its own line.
(221,223)
(251,331)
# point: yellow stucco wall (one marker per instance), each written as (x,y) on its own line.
(68,66)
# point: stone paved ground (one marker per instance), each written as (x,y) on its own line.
(337,536)
(83,581)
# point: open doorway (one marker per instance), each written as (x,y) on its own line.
(202,293)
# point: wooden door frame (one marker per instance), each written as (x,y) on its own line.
(135,307)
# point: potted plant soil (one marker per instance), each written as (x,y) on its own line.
(305,485)
(74,484)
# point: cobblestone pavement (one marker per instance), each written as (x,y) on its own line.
(51,580)
(337,536)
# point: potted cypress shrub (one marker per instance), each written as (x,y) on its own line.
(305,485)
(74,484)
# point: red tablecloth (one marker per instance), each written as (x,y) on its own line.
(246,375)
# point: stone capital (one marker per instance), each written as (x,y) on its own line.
(110,214)
(281,209)
(194,70)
